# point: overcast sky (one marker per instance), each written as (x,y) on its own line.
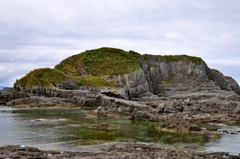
(41,33)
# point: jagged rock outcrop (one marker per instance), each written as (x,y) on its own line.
(161,72)
(135,83)
(164,78)
(9,94)
(225,82)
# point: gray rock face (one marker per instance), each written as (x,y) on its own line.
(48,96)
(68,85)
(8,94)
(135,83)
(166,78)
(225,82)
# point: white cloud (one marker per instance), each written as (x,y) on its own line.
(39,34)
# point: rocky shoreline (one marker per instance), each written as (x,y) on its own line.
(179,112)
(113,151)
(179,115)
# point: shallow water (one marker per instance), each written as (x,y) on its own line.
(67,129)
(228,142)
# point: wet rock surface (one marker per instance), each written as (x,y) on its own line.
(112,151)
(174,114)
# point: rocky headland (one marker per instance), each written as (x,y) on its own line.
(180,92)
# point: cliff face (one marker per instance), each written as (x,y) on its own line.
(133,75)
(164,78)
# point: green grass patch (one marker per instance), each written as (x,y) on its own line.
(102,61)
(49,77)
(96,81)
(176,58)
(42,77)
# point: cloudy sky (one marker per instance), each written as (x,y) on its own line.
(41,33)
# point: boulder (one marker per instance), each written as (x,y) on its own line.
(159,109)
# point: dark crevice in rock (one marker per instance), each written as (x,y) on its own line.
(111,94)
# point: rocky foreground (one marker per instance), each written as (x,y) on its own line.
(115,151)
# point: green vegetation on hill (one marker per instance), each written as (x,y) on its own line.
(49,77)
(175,58)
(102,61)
(90,67)
(42,77)
(96,63)
(95,81)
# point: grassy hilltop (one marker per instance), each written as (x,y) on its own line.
(99,62)
(90,68)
